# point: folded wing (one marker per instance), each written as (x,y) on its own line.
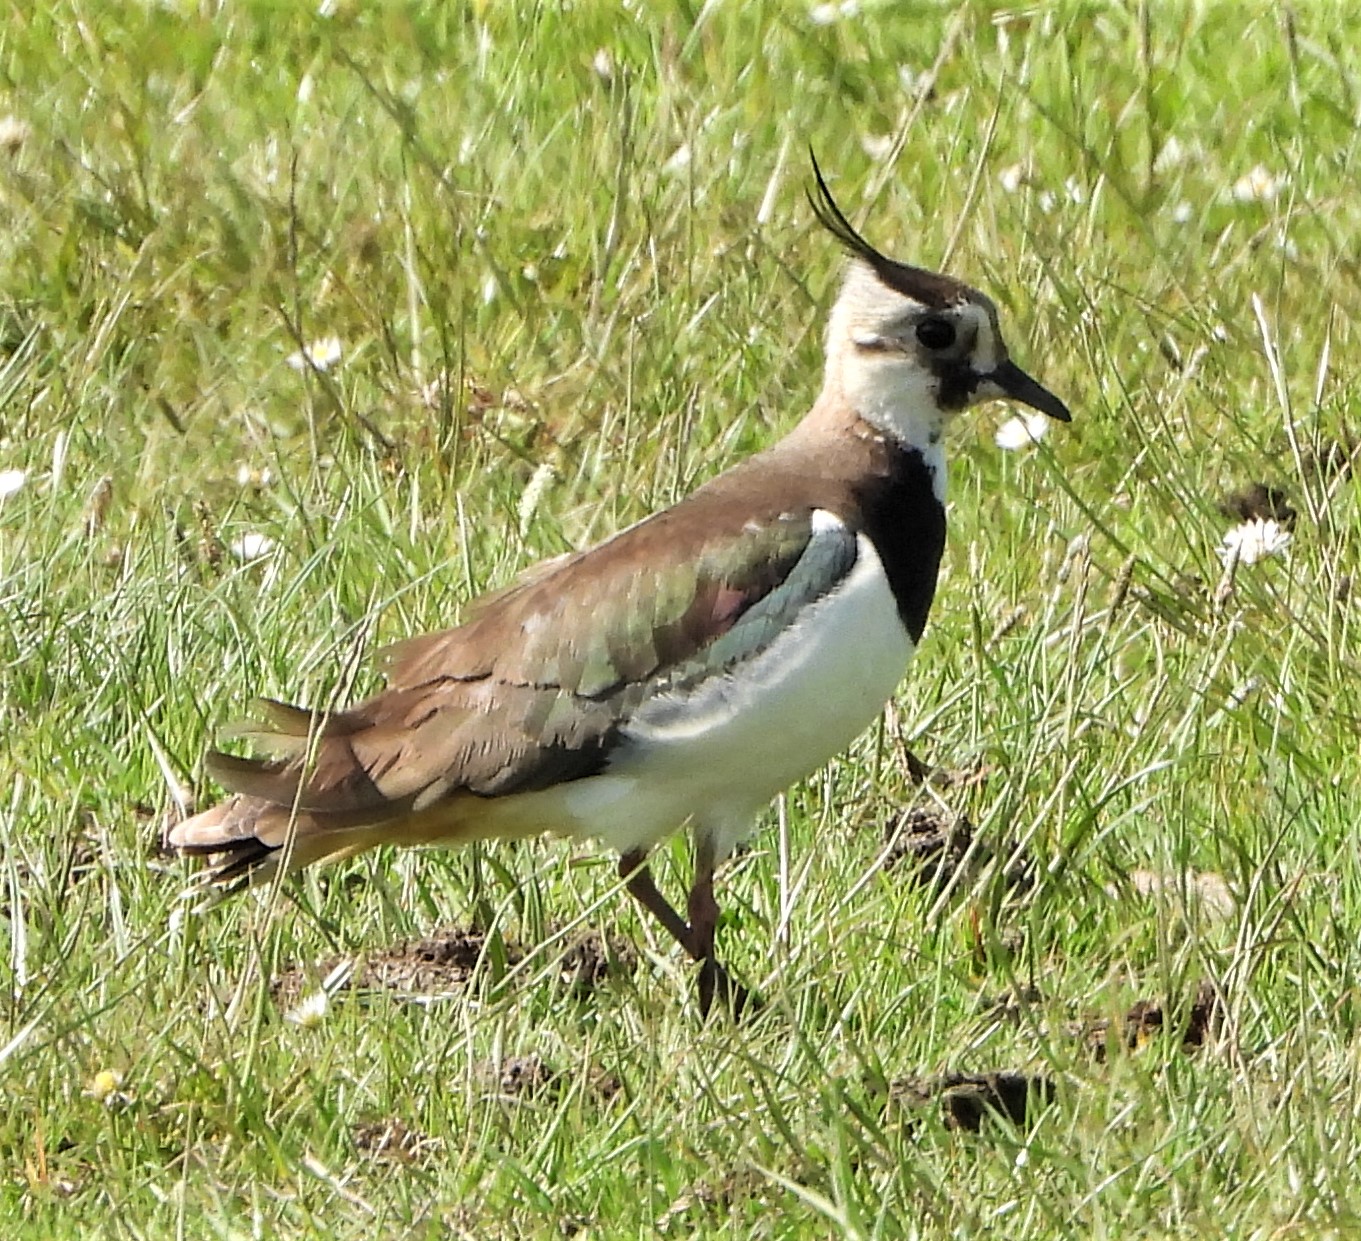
(533,691)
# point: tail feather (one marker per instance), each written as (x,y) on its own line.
(320,805)
(333,785)
(287,720)
(226,833)
(332,782)
(248,839)
(285,730)
(309,801)
(250,865)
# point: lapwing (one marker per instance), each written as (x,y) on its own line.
(681,673)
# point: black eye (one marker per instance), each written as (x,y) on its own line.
(936,333)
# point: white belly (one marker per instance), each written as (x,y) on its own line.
(718,754)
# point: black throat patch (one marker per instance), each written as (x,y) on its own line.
(906,524)
(956,383)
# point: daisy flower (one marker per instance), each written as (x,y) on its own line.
(310,1012)
(1253,541)
(1261,185)
(12,482)
(252,547)
(323,354)
(1022,431)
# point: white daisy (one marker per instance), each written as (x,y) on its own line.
(1022,431)
(322,354)
(910,80)
(1253,541)
(13,134)
(311,1011)
(252,546)
(1012,177)
(12,482)
(107,1088)
(877,146)
(104,1083)
(679,160)
(1171,155)
(246,476)
(1261,185)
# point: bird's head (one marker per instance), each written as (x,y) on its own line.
(910,348)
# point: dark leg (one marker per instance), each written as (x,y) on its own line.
(697,938)
(638,879)
(714,982)
(703,910)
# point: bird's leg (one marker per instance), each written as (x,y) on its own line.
(633,870)
(714,981)
(697,938)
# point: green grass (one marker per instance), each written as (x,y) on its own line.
(490,211)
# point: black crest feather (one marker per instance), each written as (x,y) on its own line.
(928,287)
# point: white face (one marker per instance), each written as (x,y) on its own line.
(907,367)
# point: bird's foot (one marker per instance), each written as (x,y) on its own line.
(717,986)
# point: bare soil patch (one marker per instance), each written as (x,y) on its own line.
(437,965)
(1196,1023)
(1259,502)
(392,1140)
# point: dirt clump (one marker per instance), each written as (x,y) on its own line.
(437,965)
(932,846)
(392,1140)
(1259,502)
(968,1098)
(592,959)
(1197,1023)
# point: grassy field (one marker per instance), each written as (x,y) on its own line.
(571,273)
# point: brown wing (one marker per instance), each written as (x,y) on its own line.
(534,690)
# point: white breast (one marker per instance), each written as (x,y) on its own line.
(719,753)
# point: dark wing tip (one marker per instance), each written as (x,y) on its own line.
(242,866)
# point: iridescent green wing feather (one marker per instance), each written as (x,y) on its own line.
(535,690)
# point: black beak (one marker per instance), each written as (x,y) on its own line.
(1020,387)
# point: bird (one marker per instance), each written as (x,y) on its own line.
(681,673)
